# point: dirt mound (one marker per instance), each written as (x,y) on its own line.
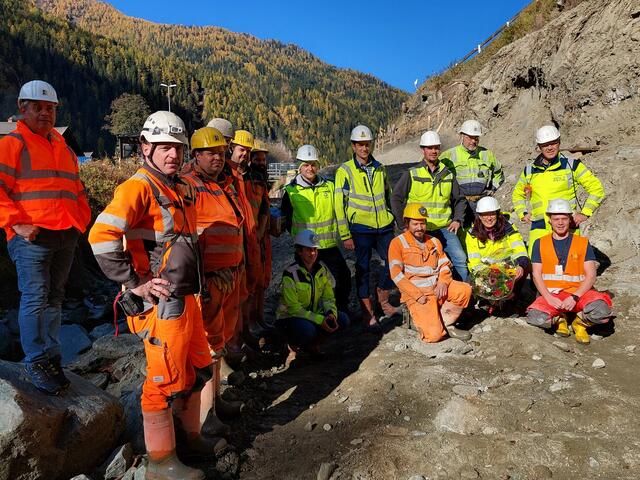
(579,72)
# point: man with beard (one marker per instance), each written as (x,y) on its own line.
(422,272)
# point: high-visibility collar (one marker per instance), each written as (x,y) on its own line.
(52,136)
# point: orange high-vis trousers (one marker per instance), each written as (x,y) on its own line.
(221,313)
(427,318)
(175,345)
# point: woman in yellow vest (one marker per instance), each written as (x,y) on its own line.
(493,239)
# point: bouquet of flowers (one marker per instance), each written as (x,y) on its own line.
(493,281)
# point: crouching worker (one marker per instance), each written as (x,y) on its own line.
(154,212)
(564,272)
(307,313)
(422,271)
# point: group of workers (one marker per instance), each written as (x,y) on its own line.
(190,245)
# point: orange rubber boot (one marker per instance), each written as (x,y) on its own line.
(159,438)
(188,412)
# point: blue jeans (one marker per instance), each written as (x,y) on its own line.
(300,332)
(365,243)
(455,252)
(43,268)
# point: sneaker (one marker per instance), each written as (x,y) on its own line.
(55,367)
(42,378)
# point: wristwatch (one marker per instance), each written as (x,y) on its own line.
(575,297)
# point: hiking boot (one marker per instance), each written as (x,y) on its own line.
(458,333)
(42,378)
(55,367)
(562,329)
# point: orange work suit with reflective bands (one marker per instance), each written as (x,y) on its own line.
(220,227)
(157,217)
(416,268)
(39,183)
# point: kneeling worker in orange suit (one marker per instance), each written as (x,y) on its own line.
(420,268)
(220,224)
(154,211)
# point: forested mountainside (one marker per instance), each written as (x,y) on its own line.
(93,53)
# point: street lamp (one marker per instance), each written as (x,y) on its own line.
(168,87)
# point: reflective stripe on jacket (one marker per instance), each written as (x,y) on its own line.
(220,221)
(312,208)
(573,274)
(554,181)
(362,205)
(307,294)
(510,247)
(157,217)
(417,267)
(476,173)
(39,183)
(433,191)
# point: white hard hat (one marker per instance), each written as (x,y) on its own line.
(306,238)
(38,90)
(223,125)
(487,204)
(559,205)
(472,128)
(307,153)
(361,134)
(162,126)
(429,139)
(546,134)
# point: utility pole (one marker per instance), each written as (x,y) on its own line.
(168,86)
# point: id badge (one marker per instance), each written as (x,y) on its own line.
(558,269)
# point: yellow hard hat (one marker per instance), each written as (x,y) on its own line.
(243,138)
(415,211)
(207,137)
(259,146)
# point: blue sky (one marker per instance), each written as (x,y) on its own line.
(397,41)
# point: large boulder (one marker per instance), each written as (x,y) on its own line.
(44,437)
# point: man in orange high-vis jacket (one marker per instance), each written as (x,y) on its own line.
(564,272)
(154,211)
(220,223)
(422,272)
(257,188)
(237,161)
(43,210)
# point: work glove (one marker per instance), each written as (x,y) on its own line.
(329,324)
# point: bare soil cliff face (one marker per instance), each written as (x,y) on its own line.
(580,72)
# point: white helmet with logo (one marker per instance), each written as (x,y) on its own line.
(471,128)
(559,205)
(361,134)
(223,125)
(38,90)
(164,127)
(487,204)
(430,139)
(547,134)
(307,153)
(306,238)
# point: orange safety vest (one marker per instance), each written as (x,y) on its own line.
(158,218)
(573,274)
(220,221)
(39,183)
(257,193)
